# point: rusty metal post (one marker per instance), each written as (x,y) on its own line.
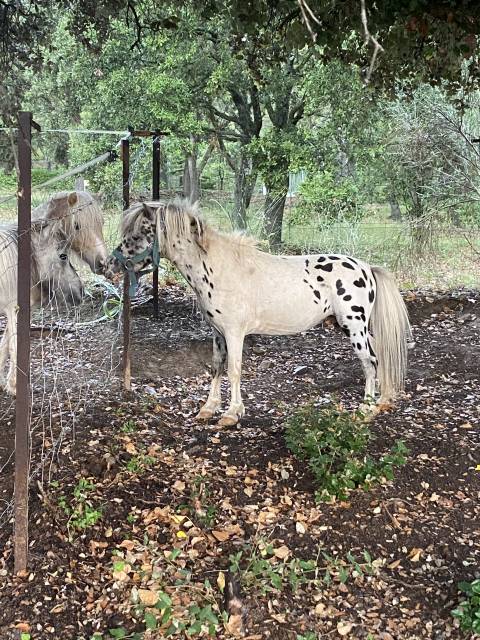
(155,196)
(126,361)
(22,403)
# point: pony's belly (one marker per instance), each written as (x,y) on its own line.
(281,323)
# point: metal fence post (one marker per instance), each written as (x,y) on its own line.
(126,361)
(155,196)
(22,403)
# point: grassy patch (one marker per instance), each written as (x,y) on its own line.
(263,568)
(334,444)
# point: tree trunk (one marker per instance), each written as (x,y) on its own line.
(14,153)
(191,177)
(245,179)
(395,213)
(274,209)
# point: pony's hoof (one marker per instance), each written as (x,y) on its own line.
(204,414)
(227,421)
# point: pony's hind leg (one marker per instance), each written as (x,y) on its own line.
(11,385)
(236,409)
(356,328)
(4,355)
(214,399)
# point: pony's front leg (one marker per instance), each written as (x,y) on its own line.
(236,409)
(214,399)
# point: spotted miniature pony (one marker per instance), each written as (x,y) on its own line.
(242,290)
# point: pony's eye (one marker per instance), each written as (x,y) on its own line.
(63,256)
(77,227)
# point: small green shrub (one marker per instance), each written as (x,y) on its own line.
(468,611)
(334,442)
(80,509)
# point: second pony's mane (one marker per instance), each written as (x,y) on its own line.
(83,215)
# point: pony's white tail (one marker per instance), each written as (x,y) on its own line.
(391,330)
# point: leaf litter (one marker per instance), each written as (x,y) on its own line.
(195,517)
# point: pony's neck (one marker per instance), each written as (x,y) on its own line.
(195,265)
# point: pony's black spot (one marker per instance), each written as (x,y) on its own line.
(347,265)
(321,259)
(346,331)
(189,278)
(347,298)
(364,274)
(333,258)
(307,262)
(209,294)
(357,309)
(352,260)
(317,294)
(204,265)
(371,295)
(340,289)
(349,317)
(359,283)
(320,279)
(316,301)
(307,271)
(306,281)
(210,314)
(211,285)
(218,311)
(359,346)
(326,267)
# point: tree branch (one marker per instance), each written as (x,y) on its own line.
(377,47)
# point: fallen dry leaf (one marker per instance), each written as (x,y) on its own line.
(344,627)
(221,536)
(148,597)
(282,552)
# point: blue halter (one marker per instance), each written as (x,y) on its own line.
(129,264)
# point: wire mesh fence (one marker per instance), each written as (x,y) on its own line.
(75,353)
(76,349)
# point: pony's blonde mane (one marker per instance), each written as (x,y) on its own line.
(86,213)
(181,219)
(132,219)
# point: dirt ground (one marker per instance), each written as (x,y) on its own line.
(164,483)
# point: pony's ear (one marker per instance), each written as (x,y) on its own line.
(151,209)
(58,206)
(198,231)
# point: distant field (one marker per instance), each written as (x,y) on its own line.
(453,260)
